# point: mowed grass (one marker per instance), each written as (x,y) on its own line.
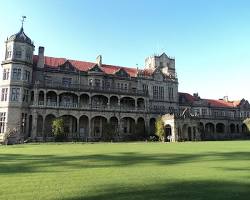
(126,171)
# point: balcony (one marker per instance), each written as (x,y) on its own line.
(87,88)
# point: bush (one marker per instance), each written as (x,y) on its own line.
(58,129)
(159,129)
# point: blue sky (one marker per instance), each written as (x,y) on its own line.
(210,39)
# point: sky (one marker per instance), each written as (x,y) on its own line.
(210,39)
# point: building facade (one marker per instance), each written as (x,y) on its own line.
(89,96)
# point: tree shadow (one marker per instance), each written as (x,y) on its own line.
(26,163)
(176,190)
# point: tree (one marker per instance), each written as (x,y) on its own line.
(159,129)
(58,129)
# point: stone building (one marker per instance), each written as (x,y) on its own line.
(36,89)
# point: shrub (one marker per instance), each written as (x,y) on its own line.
(159,129)
(58,129)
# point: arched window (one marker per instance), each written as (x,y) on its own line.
(8,52)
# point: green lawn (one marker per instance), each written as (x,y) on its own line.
(199,170)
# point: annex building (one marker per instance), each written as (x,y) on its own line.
(91,96)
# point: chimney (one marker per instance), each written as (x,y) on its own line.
(40,62)
(99,60)
(225,98)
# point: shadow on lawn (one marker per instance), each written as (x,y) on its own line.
(23,163)
(186,190)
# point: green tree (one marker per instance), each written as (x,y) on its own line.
(58,129)
(159,129)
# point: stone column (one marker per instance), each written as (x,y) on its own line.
(36,97)
(78,101)
(34,126)
(45,98)
(57,101)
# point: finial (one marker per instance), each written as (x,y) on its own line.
(22,20)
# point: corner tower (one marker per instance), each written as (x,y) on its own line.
(15,85)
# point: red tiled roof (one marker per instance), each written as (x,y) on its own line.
(52,62)
(190,98)
(212,102)
(220,103)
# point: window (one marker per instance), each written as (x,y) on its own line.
(204,111)
(2,121)
(155,92)
(8,53)
(28,55)
(125,86)
(90,82)
(15,93)
(18,53)
(48,80)
(107,84)
(158,92)
(26,76)
(161,93)
(66,81)
(25,95)
(16,75)
(4,94)
(170,93)
(6,73)
(145,88)
(97,83)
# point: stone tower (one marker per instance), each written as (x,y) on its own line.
(15,86)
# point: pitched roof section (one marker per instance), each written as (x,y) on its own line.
(51,62)
(212,102)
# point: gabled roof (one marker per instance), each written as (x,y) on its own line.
(52,62)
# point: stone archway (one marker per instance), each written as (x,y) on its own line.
(140,128)
(98,126)
(232,128)
(48,125)
(70,126)
(128,125)
(83,126)
(168,133)
(220,128)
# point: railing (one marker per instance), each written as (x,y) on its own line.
(87,88)
(92,106)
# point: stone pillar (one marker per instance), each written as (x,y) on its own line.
(36,97)
(108,104)
(45,98)
(57,100)
(34,126)
(78,101)
(90,128)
